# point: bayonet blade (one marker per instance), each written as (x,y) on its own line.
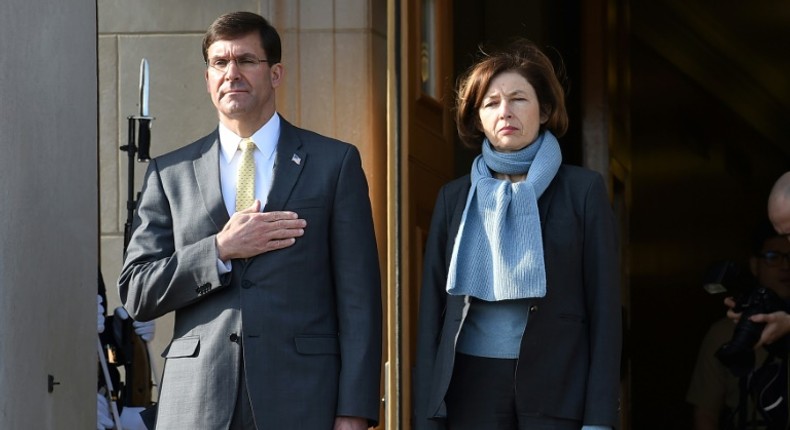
(144,88)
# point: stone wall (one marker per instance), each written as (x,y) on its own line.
(334,54)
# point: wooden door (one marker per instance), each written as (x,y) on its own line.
(424,140)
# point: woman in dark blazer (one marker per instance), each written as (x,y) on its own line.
(519,319)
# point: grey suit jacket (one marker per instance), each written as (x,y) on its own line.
(307,317)
(570,351)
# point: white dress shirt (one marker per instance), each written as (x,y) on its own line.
(230,157)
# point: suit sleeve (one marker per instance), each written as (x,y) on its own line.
(157,276)
(431,312)
(357,281)
(602,290)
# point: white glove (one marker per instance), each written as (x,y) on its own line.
(121,313)
(131,419)
(143,329)
(103,416)
(100,318)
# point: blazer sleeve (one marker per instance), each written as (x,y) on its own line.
(431,313)
(601,274)
(155,270)
(357,279)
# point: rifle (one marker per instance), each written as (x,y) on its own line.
(143,121)
(108,383)
(134,353)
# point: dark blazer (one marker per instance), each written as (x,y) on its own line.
(570,352)
(308,316)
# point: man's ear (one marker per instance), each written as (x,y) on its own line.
(753,261)
(276,74)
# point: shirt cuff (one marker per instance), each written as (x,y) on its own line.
(223,268)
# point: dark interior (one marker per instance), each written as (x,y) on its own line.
(708,108)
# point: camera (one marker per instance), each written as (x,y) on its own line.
(738,353)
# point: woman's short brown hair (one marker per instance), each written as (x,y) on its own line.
(525,58)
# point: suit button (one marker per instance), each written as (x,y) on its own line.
(246,284)
(533,308)
(234,337)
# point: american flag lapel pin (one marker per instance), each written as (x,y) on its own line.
(296,159)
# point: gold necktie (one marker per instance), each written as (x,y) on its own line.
(245,184)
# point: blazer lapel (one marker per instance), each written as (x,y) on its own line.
(288,165)
(458,211)
(455,220)
(206,171)
(544,202)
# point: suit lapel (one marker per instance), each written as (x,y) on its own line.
(206,171)
(290,161)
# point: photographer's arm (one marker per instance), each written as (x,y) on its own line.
(731,314)
(777,326)
(705,419)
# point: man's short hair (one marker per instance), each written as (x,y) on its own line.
(234,25)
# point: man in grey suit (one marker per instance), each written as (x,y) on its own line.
(277,304)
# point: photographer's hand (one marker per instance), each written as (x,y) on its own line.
(777,325)
(731,314)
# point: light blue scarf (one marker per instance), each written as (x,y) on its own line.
(498,252)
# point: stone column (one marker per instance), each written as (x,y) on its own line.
(48,208)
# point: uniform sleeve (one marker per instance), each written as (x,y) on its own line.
(709,384)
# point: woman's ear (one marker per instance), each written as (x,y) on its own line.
(544,115)
(479,124)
